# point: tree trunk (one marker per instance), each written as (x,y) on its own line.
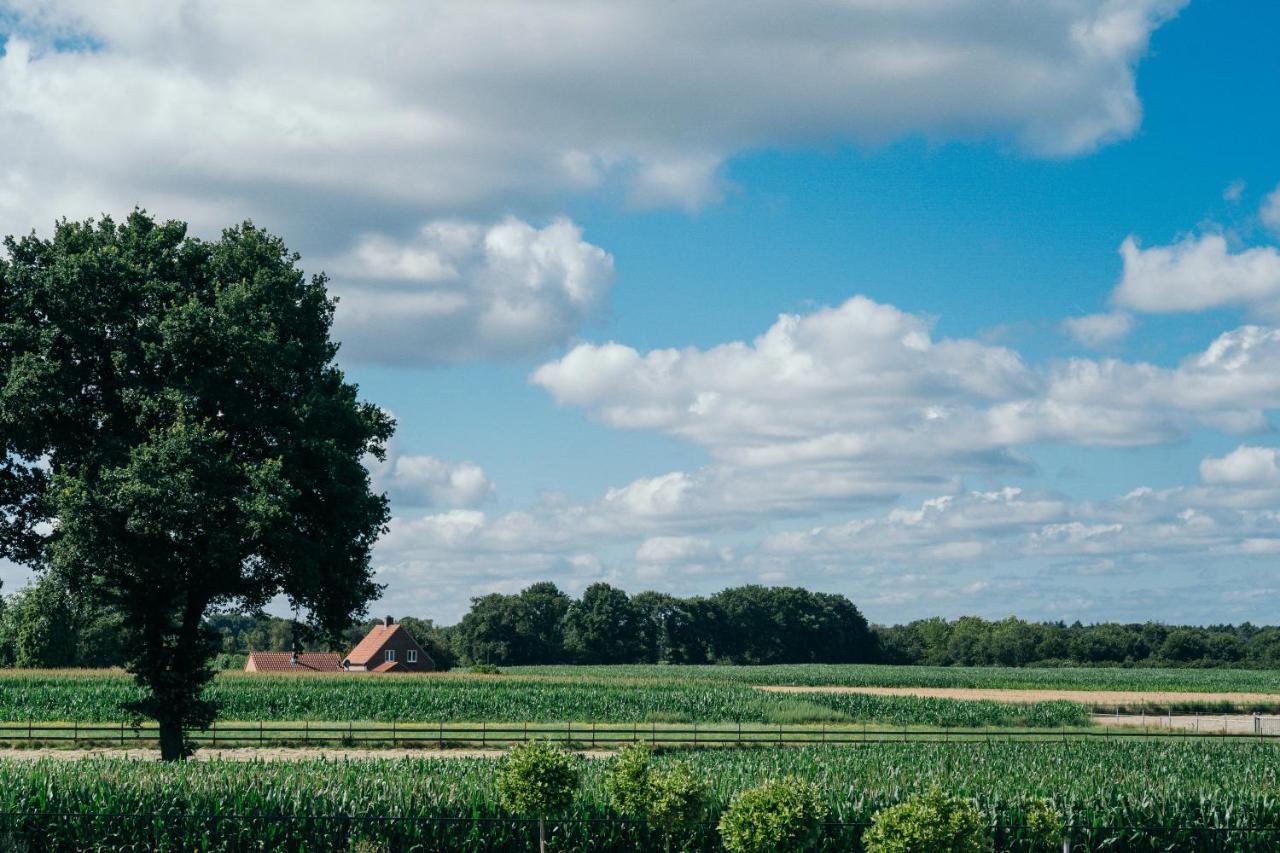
(172,745)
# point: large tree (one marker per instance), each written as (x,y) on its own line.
(604,626)
(511,630)
(177,440)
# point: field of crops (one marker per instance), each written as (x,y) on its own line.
(97,697)
(1184,796)
(869,675)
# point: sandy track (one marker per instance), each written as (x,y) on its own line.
(1233,724)
(266,754)
(1087,697)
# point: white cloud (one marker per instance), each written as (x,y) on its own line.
(1244,465)
(1014,549)
(1234,191)
(859,402)
(424,481)
(458,290)
(1270,212)
(673,549)
(1098,331)
(317,117)
(1199,273)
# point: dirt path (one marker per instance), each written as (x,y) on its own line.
(1087,697)
(1226,724)
(266,754)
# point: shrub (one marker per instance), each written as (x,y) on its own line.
(484,669)
(933,822)
(537,779)
(672,801)
(1046,826)
(781,814)
(678,800)
(629,784)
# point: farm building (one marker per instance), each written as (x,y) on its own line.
(387,648)
(287,662)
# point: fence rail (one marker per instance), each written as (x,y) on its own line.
(578,735)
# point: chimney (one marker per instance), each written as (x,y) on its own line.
(389,622)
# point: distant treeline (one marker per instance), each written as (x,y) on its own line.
(43,625)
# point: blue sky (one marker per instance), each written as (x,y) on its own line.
(559,230)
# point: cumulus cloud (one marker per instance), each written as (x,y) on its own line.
(319,116)
(1270,212)
(1098,331)
(860,401)
(1244,465)
(414,481)
(1198,273)
(458,290)
(969,551)
(671,549)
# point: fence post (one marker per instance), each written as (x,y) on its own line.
(593,735)
(122,734)
(215,733)
(442,734)
(261,736)
(484,734)
(75,733)
(393,733)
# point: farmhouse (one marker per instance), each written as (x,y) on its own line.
(387,648)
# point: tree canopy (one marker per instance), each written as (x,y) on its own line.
(177,439)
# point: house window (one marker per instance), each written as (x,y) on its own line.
(412,656)
(391,654)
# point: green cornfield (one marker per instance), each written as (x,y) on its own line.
(1117,796)
(875,675)
(86,696)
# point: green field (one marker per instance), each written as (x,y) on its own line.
(874,675)
(90,696)
(1184,795)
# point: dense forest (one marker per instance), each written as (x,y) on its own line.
(44,625)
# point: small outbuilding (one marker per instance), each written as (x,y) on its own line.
(388,648)
(290,662)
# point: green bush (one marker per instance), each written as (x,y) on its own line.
(672,801)
(484,669)
(629,784)
(678,801)
(538,780)
(933,822)
(781,814)
(1046,826)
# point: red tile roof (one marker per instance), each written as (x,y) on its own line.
(388,666)
(367,648)
(281,662)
